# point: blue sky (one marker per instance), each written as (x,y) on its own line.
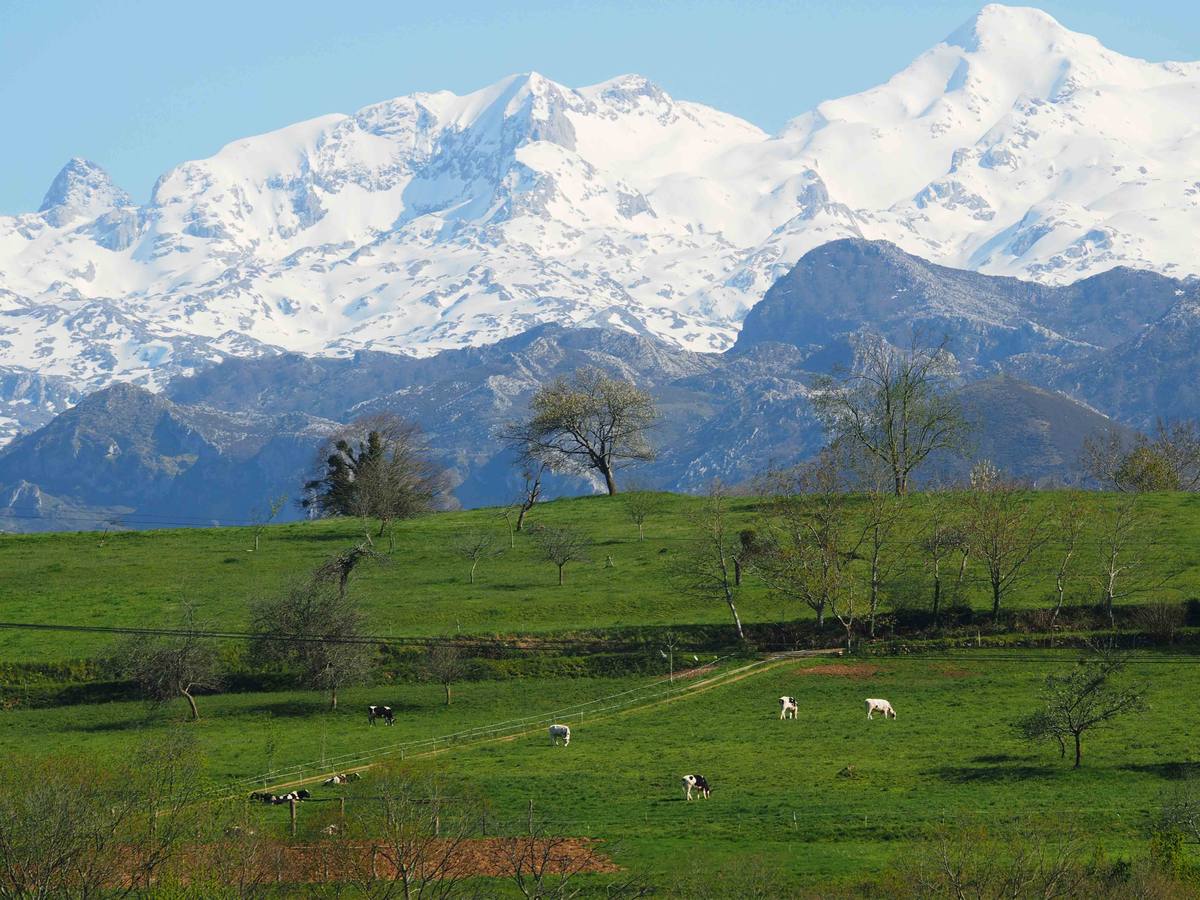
(139,86)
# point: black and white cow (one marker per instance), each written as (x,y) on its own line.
(342,778)
(696,783)
(264,797)
(380,712)
(788,708)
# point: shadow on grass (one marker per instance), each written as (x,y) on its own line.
(969,774)
(118,725)
(1171,771)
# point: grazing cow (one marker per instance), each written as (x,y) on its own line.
(342,778)
(380,712)
(260,797)
(239,831)
(560,731)
(697,783)
(787,708)
(331,829)
(875,705)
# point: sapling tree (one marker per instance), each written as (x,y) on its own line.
(474,547)
(1083,699)
(561,546)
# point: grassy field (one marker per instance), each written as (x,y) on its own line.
(141,578)
(777,792)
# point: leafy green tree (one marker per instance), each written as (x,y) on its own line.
(588,423)
(377,468)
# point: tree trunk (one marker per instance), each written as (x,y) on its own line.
(737,572)
(474,563)
(937,592)
(1078,750)
(821,616)
(609,481)
(256,536)
(737,620)
(641,534)
(192,703)
(447,686)
(521,517)
(333,698)
(560,576)
(996,593)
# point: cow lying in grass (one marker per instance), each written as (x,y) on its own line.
(380,712)
(275,800)
(560,731)
(342,778)
(787,708)
(696,783)
(875,705)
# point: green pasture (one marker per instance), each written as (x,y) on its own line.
(781,789)
(142,578)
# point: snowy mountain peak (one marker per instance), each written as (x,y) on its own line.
(81,190)
(996,25)
(433,220)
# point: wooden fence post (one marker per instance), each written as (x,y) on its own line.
(531,815)
(292,809)
(342,806)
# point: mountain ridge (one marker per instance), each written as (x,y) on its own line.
(433,221)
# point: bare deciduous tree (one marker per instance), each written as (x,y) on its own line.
(167,668)
(895,406)
(542,865)
(1070,519)
(810,542)
(531,491)
(1003,528)
(264,514)
(883,513)
(706,569)
(941,538)
(561,546)
(314,627)
(1166,460)
(444,664)
(475,547)
(1081,700)
(588,423)
(418,839)
(1127,552)
(67,825)
(641,505)
(964,859)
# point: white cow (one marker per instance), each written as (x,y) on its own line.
(697,783)
(560,731)
(787,708)
(875,705)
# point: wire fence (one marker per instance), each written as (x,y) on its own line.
(658,689)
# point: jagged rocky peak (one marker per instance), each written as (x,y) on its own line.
(82,190)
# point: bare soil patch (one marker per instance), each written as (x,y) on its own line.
(262,861)
(841,670)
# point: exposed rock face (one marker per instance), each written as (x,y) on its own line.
(433,221)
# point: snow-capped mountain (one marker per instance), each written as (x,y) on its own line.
(434,221)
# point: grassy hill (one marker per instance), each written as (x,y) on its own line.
(143,578)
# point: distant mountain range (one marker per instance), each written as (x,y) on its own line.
(433,221)
(1042,366)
